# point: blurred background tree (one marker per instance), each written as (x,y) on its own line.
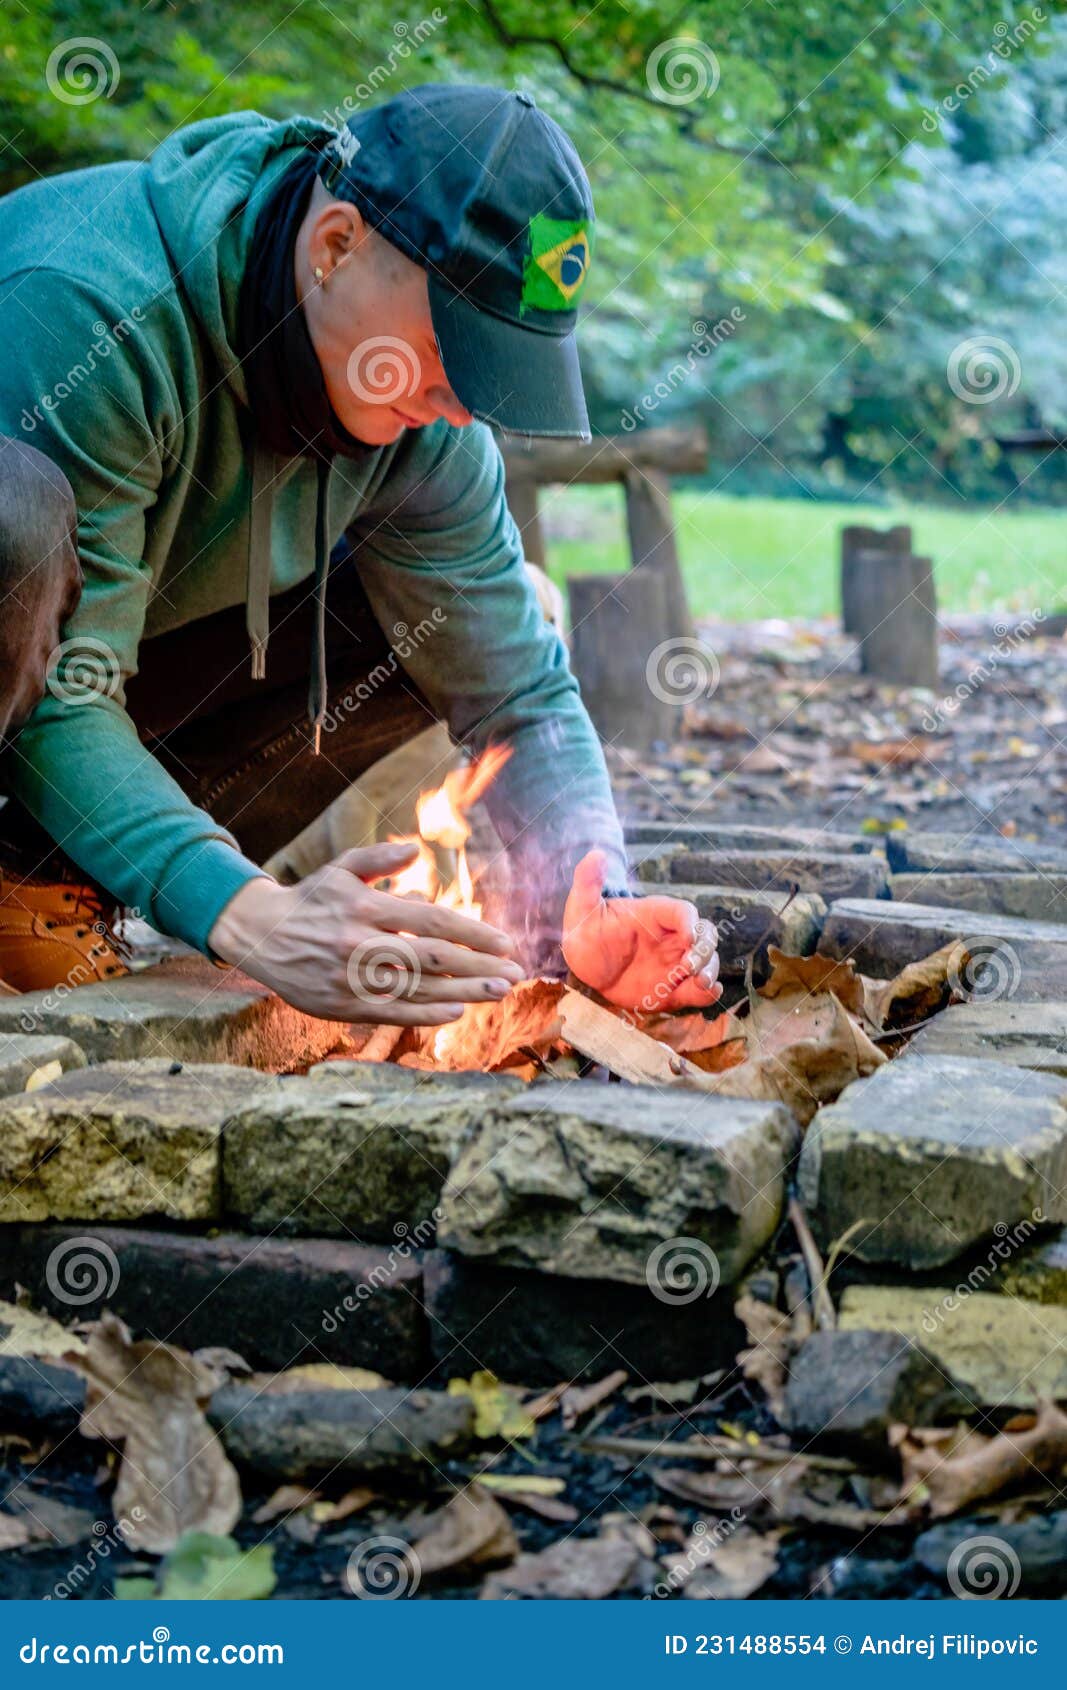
(799,164)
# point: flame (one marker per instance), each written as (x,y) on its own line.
(441,816)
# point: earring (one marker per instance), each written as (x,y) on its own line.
(320,275)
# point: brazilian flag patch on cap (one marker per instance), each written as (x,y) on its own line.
(557,263)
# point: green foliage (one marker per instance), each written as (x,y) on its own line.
(204,1568)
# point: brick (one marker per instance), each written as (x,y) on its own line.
(1022,960)
(946,853)
(1031,897)
(184,1010)
(1029,1035)
(824,873)
(23,1054)
(725,836)
(932,1154)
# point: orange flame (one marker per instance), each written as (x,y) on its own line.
(441,814)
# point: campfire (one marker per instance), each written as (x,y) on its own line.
(806,1032)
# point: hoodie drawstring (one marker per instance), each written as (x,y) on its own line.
(257,593)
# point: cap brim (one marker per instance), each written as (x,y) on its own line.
(522,380)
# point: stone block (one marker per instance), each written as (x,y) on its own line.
(1028,1035)
(1030,897)
(1025,961)
(24,1054)
(828,875)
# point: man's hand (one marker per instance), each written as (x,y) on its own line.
(646,954)
(334,946)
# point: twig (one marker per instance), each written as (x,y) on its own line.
(713,1449)
(821,1301)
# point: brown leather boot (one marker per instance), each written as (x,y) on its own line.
(55,933)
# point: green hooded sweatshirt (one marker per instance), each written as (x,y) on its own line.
(118,303)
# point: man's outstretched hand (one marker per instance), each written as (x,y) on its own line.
(646,954)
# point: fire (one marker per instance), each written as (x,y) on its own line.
(441,815)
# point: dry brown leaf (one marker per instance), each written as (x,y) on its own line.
(729,1570)
(811,974)
(891,753)
(353,1502)
(149,1398)
(25,1332)
(918,990)
(471,1530)
(766,1361)
(37,1518)
(488,1034)
(546,1507)
(284,1500)
(803,1051)
(318,1376)
(579,1399)
(958,1468)
(583,1567)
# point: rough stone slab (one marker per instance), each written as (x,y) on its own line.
(536,1329)
(723,836)
(828,875)
(1039,1545)
(947,853)
(588,1180)
(1030,897)
(358,1157)
(120,1142)
(1025,960)
(40,1397)
(850,1387)
(931,1153)
(1030,1035)
(750,921)
(302,1434)
(22,1054)
(273,1301)
(185,1009)
(1038,1271)
(1002,1352)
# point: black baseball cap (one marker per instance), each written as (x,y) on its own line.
(489,196)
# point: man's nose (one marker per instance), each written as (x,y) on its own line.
(446,405)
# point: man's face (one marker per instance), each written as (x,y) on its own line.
(32,617)
(371,328)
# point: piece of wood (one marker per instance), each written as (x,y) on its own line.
(821,1301)
(608,457)
(616,1044)
(650,523)
(522,503)
(860,549)
(619,632)
(896,619)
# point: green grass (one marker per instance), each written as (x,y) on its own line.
(750,558)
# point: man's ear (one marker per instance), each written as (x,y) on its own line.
(338,231)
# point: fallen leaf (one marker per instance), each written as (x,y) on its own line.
(727,1568)
(24,1332)
(892,753)
(498,1413)
(579,1399)
(578,1567)
(353,1502)
(470,1531)
(147,1397)
(488,1034)
(956,1468)
(319,1376)
(918,990)
(766,1361)
(283,1501)
(530,1484)
(803,1051)
(43,1076)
